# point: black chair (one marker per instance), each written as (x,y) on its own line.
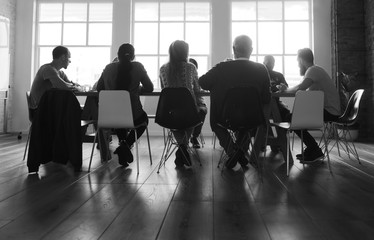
(176,110)
(242,111)
(348,118)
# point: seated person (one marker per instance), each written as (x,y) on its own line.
(50,76)
(178,72)
(129,75)
(202,113)
(315,78)
(228,74)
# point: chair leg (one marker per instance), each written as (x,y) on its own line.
(137,151)
(168,151)
(327,152)
(288,153)
(93,147)
(27,142)
(149,146)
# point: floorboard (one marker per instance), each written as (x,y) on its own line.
(204,202)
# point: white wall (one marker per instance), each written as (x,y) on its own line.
(221,47)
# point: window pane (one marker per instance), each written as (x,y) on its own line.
(270,10)
(291,70)
(75,34)
(101,12)
(297,36)
(169,32)
(50,12)
(171,11)
(75,12)
(45,55)
(198,37)
(270,38)
(243,10)
(146,38)
(196,11)
(100,34)
(50,34)
(245,28)
(296,10)
(150,65)
(146,12)
(87,63)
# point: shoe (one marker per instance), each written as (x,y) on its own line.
(313,157)
(185,155)
(307,152)
(195,142)
(233,160)
(243,161)
(124,154)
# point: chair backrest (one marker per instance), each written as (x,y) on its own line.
(176,109)
(31,111)
(307,110)
(115,109)
(351,111)
(242,108)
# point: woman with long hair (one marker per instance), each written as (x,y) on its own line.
(127,74)
(178,72)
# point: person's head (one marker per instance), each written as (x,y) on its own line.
(194,62)
(269,62)
(178,51)
(126,52)
(305,59)
(61,57)
(242,47)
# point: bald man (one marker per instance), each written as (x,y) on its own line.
(225,75)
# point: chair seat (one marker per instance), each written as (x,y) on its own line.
(285,125)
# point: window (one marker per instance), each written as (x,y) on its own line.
(277,27)
(157,24)
(85,28)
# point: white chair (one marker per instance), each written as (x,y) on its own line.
(307,114)
(115,112)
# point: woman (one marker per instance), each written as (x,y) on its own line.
(129,75)
(178,72)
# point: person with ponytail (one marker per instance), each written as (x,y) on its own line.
(127,74)
(178,72)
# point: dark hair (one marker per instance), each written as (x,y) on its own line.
(125,56)
(59,51)
(193,61)
(306,54)
(178,53)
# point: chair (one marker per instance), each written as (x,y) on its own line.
(176,110)
(242,112)
(348,118)
(115,111)
(307,114)
(31,116)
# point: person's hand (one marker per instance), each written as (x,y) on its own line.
(282,87)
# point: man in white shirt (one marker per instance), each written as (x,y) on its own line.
(315,78)
(50,76)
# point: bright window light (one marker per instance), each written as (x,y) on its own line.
(85,28)
(277,27)
(157,24)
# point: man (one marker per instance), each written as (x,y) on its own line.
(315,78)
(225,75)
(50,76)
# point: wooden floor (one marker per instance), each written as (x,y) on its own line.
(111,202)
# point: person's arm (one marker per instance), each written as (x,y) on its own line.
(266,91)
(54,78)
(100,84)
(207,81)
(147,84)
(304,85)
